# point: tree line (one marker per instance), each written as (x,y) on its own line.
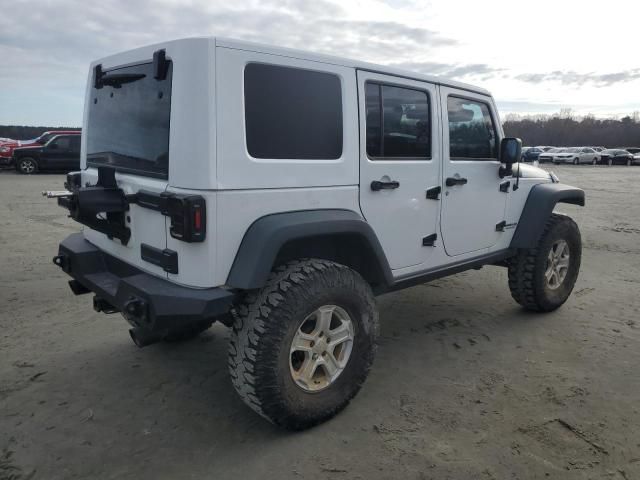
(565,130)
(22,132)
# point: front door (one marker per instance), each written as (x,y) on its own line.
(473,203)
(399,162)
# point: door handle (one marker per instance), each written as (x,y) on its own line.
(451,181)
(378,185)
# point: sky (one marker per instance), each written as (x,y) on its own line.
(536,57)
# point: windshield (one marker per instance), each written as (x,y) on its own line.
(556,150)
(128,125)
(572,150)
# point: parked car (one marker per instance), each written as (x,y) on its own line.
(61,152)
(531,154)
(7,148)
(616,156)
(287,252)
(549,155)
(577,156)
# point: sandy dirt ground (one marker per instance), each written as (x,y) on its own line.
(465,385)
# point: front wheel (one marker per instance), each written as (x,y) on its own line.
(576,161)
(542,278)
(628,162)
(302,347)
(27,166)
(595,161)
(610,162)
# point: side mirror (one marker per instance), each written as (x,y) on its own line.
(510,153)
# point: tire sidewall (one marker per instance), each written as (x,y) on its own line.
(568,231)
(294,407)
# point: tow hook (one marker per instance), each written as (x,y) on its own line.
(62,261)
(136,308)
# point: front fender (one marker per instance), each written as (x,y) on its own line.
(540,203)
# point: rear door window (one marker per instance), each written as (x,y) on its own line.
(398,122)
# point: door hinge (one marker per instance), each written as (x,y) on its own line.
(430,240)
(500,226)
(433,193)
(504,186)
(167,259)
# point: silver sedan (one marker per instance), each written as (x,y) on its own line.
(577,155)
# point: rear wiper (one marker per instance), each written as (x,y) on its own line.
(114,80)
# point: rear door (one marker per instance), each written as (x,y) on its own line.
(127,129)
(57,152)
(399,163)
(473,203)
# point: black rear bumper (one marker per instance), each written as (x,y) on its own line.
(146,301)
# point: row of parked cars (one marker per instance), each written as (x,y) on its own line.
(53,150)
(582,155)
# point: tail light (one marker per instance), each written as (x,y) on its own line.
(188,217)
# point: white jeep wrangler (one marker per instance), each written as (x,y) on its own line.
(278,192)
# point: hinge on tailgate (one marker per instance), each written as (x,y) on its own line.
(167,259)
(500,226)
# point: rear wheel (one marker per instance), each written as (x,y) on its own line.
(628,162)
(302,347)
(27,166)
(610,162)
(542,278)
(595,161)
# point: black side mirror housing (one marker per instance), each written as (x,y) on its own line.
(510,153)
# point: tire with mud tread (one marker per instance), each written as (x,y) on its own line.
(261,347)
(188,333)
(531,270)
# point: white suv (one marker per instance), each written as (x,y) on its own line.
(278,192)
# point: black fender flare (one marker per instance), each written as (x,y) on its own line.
(267,235)
(539,206)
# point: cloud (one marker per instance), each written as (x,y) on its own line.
(452,70)
(49,49)
(578,79)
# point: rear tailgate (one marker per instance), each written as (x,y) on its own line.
(127,126)
(147,226)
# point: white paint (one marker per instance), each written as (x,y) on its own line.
(208,157)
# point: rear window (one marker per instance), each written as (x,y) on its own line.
(128,125)
(291,113)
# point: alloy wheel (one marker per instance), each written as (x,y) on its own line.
(557,264)
(321,348)
(27,166)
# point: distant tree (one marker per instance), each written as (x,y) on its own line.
(566,129)
(21,132)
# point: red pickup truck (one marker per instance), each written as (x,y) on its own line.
(7,147)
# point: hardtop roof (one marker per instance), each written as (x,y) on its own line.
(131,55)
(345,62)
